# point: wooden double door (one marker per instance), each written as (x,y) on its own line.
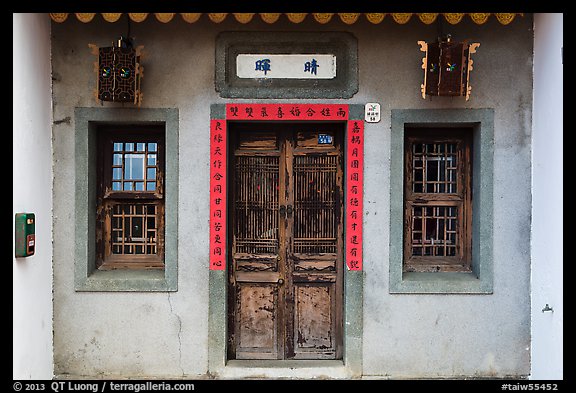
(285,295)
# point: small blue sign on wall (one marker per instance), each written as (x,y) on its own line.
(324,139)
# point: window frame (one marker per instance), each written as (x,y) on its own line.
(461,200)
(107,198)
(481,280)
(87,278)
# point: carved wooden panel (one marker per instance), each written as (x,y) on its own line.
(447,67)
(433,70)
(452,69)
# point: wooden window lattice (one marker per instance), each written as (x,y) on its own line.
(134,228)
(434,231)
(256,206)
(437,200)
(434,167)
(130,211)
(315,226)
(134,166)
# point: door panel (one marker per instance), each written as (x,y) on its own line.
(314,322)
(256,326)
(285,295)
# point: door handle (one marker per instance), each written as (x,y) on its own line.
(286,211)
(280,281)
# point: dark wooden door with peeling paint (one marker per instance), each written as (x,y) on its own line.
(286,249)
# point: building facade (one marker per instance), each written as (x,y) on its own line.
(287,199)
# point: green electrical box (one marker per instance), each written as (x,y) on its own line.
(25,234)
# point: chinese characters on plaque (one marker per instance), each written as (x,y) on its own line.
(286,66)
(372,112)
(291,112)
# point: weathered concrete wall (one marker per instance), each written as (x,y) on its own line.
(404,335)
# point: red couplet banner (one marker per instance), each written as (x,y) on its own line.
(354,192)
(286,112)
(283,112)
(217,194)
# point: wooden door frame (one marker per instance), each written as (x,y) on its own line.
(352,115)
(289,145)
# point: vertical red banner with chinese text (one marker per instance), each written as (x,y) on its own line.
(354,192)
(218,194)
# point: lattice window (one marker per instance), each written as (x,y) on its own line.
(434,167)
(130,215)
(437,200)
(434,230)
(256,205)
(134,166)
(134,229)
(315,188)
